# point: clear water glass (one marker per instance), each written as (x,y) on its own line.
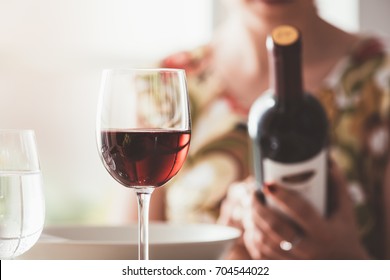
(22,207)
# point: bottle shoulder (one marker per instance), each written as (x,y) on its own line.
(262,104)
(267,109)
(303,119)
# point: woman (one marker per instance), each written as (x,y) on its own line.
(349,74)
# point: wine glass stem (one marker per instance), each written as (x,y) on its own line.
(143,195)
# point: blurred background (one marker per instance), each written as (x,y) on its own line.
(51,57)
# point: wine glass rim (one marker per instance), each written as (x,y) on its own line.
(151,69)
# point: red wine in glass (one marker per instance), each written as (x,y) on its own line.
(144,157)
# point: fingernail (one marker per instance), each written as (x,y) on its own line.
(270,188)
(260,196)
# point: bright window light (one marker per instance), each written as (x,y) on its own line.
(148,29)
(108,29)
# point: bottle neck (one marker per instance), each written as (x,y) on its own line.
(286,71)
(287,78)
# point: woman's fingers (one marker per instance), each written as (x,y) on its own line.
(268,228)
(261,246)
(233,206)
(271,222)
(297,208)
(282,224)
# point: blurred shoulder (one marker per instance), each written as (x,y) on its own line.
(367,61)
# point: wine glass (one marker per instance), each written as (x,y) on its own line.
(143,132)
(22,207)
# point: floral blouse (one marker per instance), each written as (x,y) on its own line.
(356,96)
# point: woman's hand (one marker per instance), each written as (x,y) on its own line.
(234,208)
(310,236)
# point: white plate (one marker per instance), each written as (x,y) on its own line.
(167,241)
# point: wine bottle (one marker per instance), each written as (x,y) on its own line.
(288,126)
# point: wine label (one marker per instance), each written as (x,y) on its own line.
(308,178)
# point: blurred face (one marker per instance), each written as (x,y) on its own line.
(271,10)
(270,2)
